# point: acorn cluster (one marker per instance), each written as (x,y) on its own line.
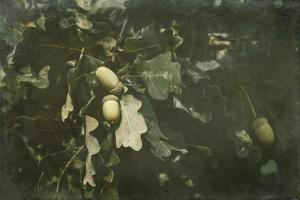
(110,103)
(264,135)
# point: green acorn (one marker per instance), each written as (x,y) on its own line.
(111,109)
(263,131)
(261,126)
(109,80)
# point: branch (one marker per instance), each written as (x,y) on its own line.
(64,170)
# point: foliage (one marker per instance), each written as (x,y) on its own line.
(132,124)
(182,75)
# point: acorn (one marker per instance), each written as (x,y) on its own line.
(110,81)
(263,131)
(111,109)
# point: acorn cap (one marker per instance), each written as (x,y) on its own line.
(110,97)
(118,90)
(259,122)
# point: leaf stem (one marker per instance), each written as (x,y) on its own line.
(144,48)
(38,183)
(64,170)
(243,108)
(142,76)
(249,100)
(64,47)
(57,46)
(203,149)
(48,155)
(123,28)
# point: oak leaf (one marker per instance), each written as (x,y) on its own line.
(132,124)
(93,148)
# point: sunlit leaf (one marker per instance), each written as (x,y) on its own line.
(93,148)
(208,65)
(67,107)
(132,124)
(90,124)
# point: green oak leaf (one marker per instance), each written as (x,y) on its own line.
(176,141)
(113,160)
(109,177)
(146,42)
(108,43)
(154,134)
(204,116)
(161,76)
(153,40)
(94,6)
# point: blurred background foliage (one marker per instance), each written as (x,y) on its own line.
(190,150)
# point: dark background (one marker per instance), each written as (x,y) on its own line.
(270,73)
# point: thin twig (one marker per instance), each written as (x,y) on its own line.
(143,48)
(64,170)
(66,56)
(64,47)
(47,56)
(57,46)
(249,100)
(48,155)
(123,29)
(38,183)
(243,108)
(143,76)
(203,148)
(219,91)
